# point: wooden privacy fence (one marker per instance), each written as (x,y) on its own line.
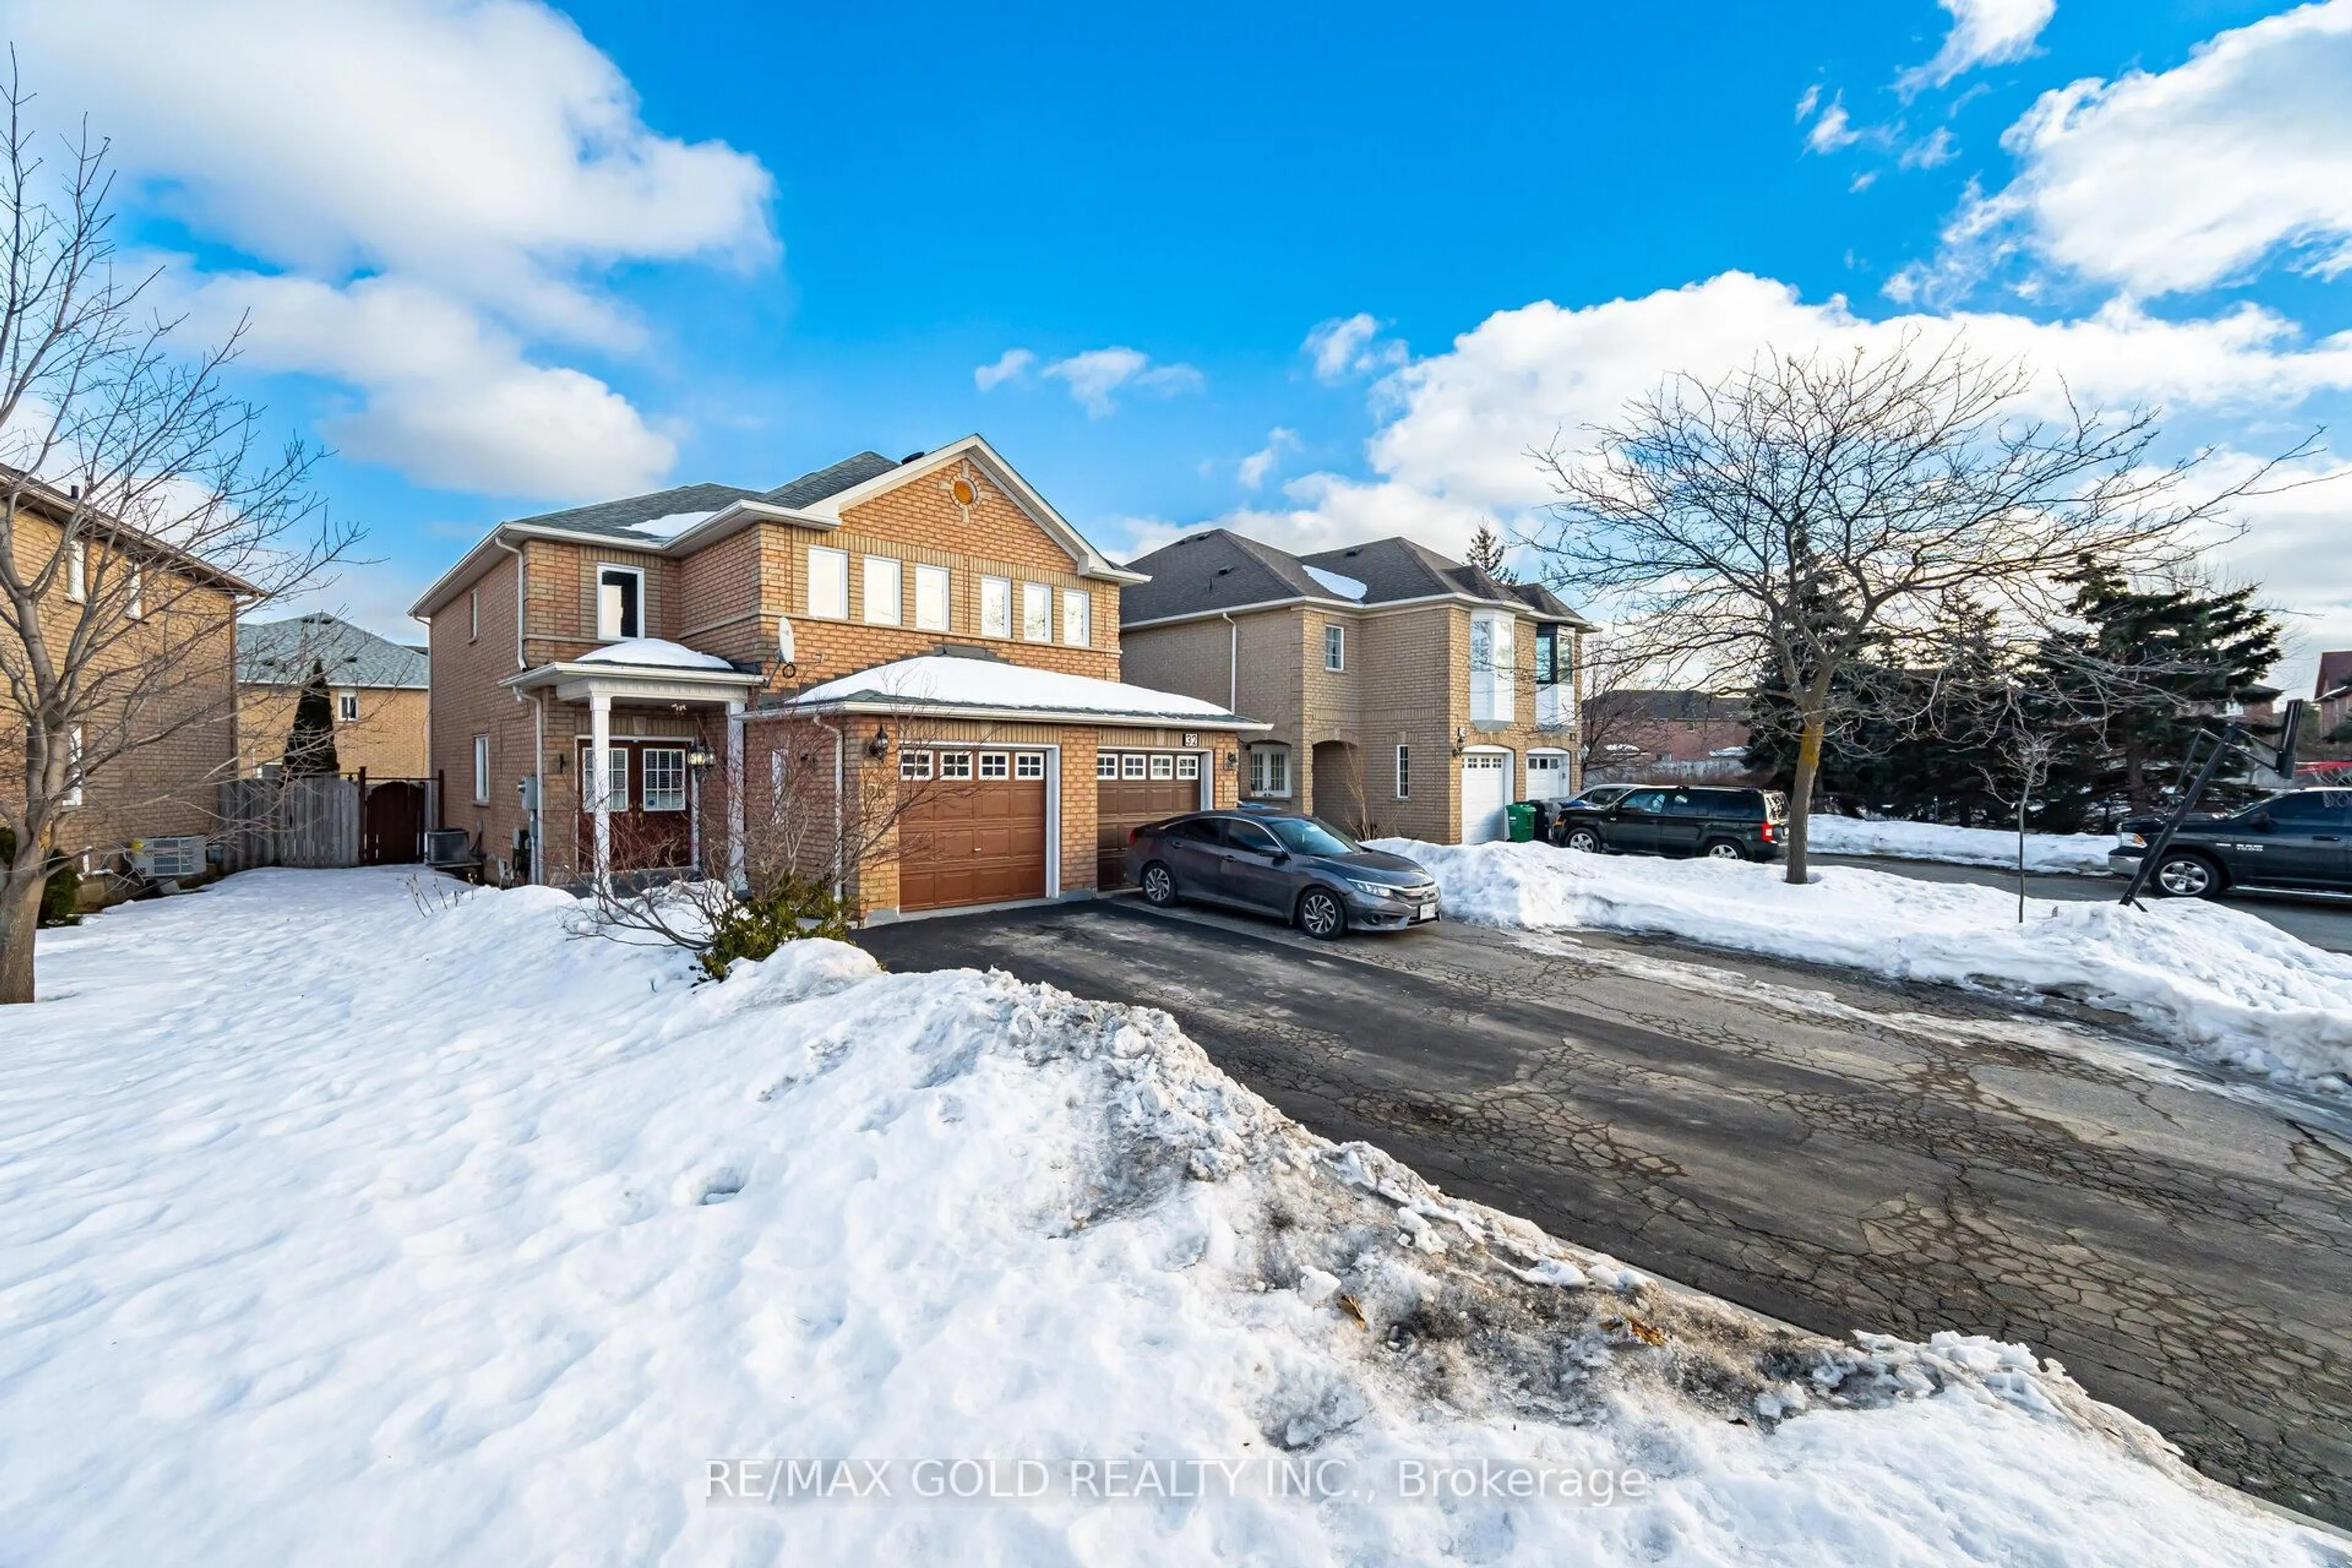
(320,823)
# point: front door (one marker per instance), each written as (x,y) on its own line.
(651,826)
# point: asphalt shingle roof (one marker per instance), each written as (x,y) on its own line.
(616,517)
(810,489)
(280,653)
(1220,569)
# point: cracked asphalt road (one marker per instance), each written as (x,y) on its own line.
(1836,1152)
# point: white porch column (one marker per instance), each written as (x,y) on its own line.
(600,742)
(735,876)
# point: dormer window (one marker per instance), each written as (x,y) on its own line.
(620,603)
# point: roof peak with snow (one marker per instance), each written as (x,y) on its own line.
(653,653)
(1218,568)
(943,681)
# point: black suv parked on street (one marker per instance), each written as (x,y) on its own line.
(2302,839)
(1721,824)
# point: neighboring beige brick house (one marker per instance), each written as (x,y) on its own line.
(163,735)
(1407,693)
(937,600)
(379,688)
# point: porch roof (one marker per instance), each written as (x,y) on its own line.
(653,678)
(943,687)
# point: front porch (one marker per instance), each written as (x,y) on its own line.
(629,739)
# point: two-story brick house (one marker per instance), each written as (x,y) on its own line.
(378,690)
(936,616)
(1405,693)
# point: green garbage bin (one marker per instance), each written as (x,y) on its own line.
(1521,819)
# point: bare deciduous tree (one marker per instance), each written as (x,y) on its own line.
(141,505)
(1797,512)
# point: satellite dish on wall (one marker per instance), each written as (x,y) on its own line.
(785,639)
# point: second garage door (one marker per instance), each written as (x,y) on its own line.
(972,828)
(1132,788)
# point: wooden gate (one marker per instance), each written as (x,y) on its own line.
(391,823)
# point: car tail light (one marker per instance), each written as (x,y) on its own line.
(1770,831)
(1134,835)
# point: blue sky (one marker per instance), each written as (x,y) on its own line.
(501,258)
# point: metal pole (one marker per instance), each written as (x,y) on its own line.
(2231,736)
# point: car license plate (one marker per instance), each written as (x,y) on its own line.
(1428,912)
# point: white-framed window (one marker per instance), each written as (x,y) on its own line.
(1028,764)
(138,581)
(1106,764)
(616,777)
(955,765)
(1490,667)
(620,602)
(829,582)
(931,598)
(347,707)
(1335,647)
(996,606)
(885,591)
(1133,764)
(995,765)
(1036,613)
(481,770)
(1187,766)
(1404,772)
(1270,771)
(663,784)
(1163,766)
(473,615)
(77,572)
(72,799)
(915,765)
(1077,618)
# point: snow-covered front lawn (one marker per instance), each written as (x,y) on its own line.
(340,1228)
(2079,853)
(2219,983)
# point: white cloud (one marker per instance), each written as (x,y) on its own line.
(1453,448)
(1008,366)
(1253,468)
(2178,180)
(1094,376)
(1349,346)
(474,158)
(1935,148)
(1833,131)
(1984,33)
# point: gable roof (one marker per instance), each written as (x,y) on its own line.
(826,482)
(280,653)
(618,519)
(1204,573)
(692,516)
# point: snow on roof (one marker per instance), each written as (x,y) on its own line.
(671,526)
(1346,587)
(659,653)
(938,681)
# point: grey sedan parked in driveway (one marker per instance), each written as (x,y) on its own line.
(1298,868)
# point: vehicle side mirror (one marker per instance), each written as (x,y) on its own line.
(1280,855)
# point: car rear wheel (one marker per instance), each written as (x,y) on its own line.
(1724,849)
(1583,838)
(2189,877)
(1321,914)
(1159,885)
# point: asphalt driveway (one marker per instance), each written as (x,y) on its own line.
(1839,1153)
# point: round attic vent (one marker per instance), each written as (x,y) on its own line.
(963,490)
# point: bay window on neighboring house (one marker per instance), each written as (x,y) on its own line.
(1555,678)
(1491,655)
(1269,770)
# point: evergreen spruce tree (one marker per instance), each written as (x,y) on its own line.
(1485,552)
(310,745)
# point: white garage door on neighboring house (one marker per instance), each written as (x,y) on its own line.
(1547,776)
(1485,790)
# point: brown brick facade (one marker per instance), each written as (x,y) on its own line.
(389,739)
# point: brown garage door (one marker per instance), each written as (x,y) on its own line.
(971,828)
(1132,788)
